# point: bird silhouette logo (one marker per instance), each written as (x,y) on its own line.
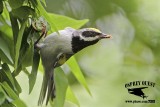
(137,92)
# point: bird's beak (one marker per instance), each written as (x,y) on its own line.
(103,36)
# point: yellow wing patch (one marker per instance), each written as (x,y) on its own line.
(62,59)
(94,29)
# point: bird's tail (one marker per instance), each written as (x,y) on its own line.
(48,87)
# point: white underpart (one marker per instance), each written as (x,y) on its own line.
(88,38)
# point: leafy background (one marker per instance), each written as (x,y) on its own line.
(132,54)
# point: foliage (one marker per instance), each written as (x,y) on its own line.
(17,37)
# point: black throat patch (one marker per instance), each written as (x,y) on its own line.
(78,44)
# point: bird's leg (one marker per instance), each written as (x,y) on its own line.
(35,43)
(44,33)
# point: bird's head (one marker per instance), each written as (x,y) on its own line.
(92,34)
(86,37)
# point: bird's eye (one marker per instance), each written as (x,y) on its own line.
(86,33)
(97,33)
(90,33)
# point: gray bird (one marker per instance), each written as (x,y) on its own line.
(56,49)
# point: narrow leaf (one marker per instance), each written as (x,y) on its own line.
(23,12)
(1,6)
(71,97)
(77,73)
(27,48)
(15,27)
(19,103)
(61,83)
(17,86)
(15,3)
(2,97)
(8,73)
(44,2)
(9,91)
(18,44)
(5,27)
(33,75)
(4,48)
(7,105)
(34,3)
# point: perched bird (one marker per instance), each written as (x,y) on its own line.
(56,49)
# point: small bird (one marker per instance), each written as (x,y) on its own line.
(56,49)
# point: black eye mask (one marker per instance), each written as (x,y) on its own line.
(90,34)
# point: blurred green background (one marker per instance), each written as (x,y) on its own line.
(132,54)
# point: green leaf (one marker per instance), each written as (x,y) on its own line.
(8,73)
(9,91)
(4,48)
(27,48)
(4,58)
(62,22)
(1,6)
(5,27)
(34,3)
(19,103)
(23,12)
(7,105)
(18,45)
(44,2)
(77,73)
(27,56)
(13,97)
(5,14)
(61,83)
(3,77)
(71,97)
(15,27)
(17,86)
(2,97)
(33,75)
(15,3)
(6,76)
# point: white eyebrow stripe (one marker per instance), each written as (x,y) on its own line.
(88,38)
